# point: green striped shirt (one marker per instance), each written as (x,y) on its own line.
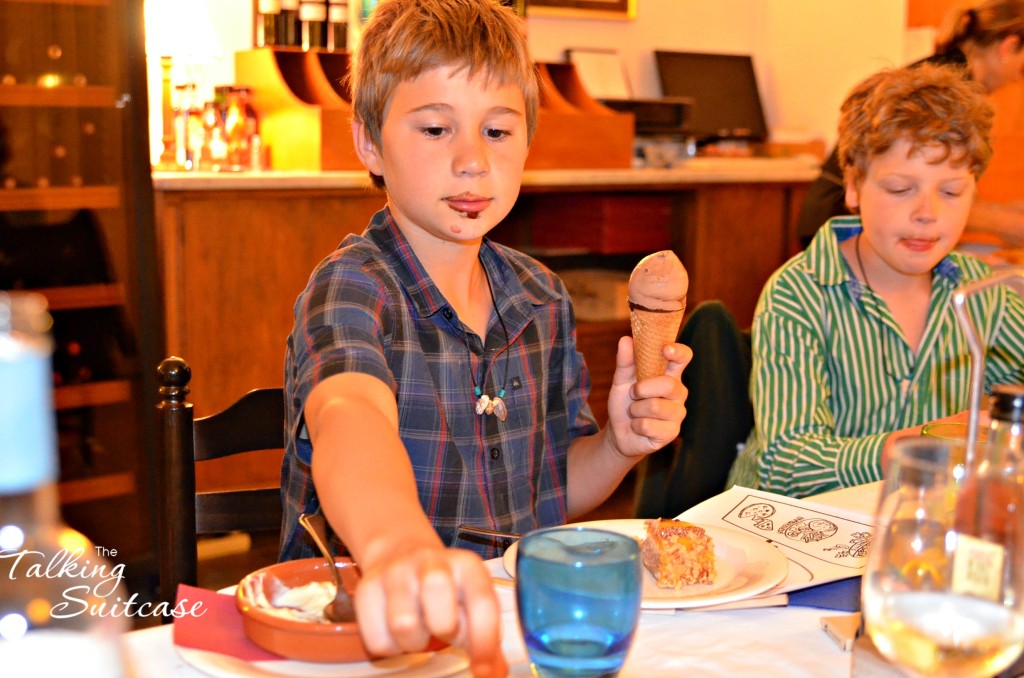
(833,375)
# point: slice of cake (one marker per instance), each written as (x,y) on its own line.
(678,553)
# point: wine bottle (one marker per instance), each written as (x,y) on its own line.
(313,22)
(97,162)
(337,25)
(58,592)
(288,24)
(268,13)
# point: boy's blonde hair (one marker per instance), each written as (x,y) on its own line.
(928,105)
(404,38)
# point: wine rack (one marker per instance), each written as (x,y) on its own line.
(76,225)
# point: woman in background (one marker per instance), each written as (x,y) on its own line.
(987,42)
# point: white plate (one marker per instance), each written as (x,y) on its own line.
(423,665)
(745,566)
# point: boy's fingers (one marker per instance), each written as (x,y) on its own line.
(625,368)
(370,600)
(439,600)
(678,356)
(450,598)
(404,615)
(480,634)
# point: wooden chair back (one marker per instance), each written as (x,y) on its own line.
(254,422)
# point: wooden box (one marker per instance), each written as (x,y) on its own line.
(575,131)
(305,114)
(304,119)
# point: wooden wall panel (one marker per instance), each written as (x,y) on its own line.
(241,259)
(233,264)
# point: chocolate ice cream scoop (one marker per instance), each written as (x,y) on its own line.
(657,302)
(659,282)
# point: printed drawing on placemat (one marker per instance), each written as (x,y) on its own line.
(814,534)
(822,544)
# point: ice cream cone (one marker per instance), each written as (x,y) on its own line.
(652,330)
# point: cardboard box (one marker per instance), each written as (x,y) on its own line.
(598,294)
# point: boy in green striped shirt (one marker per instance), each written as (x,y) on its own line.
(854,340)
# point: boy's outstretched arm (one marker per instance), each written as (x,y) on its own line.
(643,417)
(412,586)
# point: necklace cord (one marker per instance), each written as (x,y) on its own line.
(486,404)
(860,264)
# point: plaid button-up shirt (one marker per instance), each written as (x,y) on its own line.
(370,307)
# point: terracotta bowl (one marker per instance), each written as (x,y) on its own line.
(298,639)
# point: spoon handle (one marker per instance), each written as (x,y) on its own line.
(342,607)
(316,525)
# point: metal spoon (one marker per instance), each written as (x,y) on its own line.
(341,608)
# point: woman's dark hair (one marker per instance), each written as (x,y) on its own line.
(981,25)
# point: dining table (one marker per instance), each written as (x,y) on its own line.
(786,641)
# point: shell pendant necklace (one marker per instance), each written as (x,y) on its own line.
(486,404)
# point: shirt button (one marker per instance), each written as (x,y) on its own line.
(447,313)
(495,453)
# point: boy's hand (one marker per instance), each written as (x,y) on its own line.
(644,416)
(889,446)
(429,592)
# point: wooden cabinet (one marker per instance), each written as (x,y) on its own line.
(76,224)
(233,263)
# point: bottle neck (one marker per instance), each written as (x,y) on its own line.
(1005,434)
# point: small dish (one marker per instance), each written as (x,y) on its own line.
(303,640)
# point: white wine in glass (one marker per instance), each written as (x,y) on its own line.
(943,590)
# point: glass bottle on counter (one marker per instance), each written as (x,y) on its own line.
(337,25)
(240,126)
(313,23)
(268,14)
(214,151)
(58,592)
(188,126)
(288,24)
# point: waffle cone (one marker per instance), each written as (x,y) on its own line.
(652,330)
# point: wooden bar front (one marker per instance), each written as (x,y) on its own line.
(237,250)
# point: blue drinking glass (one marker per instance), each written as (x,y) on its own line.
(578,595)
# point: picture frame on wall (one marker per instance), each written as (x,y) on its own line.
(590,9)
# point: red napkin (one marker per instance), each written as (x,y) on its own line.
(216,625)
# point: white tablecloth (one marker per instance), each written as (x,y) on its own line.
(786,642)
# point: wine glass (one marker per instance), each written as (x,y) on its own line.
(943,589)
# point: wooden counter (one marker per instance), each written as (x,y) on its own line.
(236,249)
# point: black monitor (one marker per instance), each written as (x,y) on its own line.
(726,103)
